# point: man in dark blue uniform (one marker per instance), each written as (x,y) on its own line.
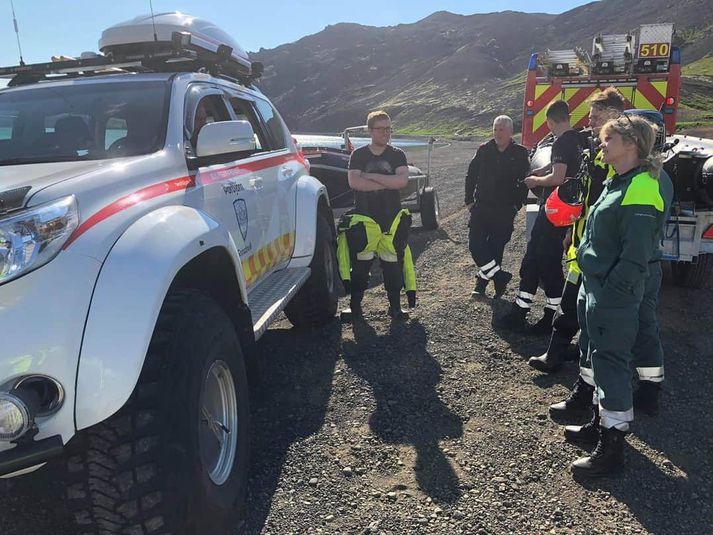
(494,192)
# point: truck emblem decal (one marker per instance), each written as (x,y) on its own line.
(241,212)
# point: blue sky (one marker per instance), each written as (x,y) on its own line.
(69,27)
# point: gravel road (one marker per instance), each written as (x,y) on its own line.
(437,425)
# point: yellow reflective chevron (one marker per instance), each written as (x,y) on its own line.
(541,116)
(264,259)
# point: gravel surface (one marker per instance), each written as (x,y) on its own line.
(437,424)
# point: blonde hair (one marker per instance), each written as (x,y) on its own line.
(378,115)
(642,134)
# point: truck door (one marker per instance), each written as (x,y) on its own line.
(277,196)
(288,170)
(229,191)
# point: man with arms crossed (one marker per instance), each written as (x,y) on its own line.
(377,226)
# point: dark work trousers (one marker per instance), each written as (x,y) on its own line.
(565,324)
(393,279)
(490,229)
(542,264)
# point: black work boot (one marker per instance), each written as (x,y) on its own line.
(411,298)
(584,434)
(544,324)
(577,405)
(551,360)
(646,397)
(606,459)
(501,279)
(480,285)
(395,310)
(354,311)
(513,320)
(571,353)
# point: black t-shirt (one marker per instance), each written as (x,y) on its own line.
(567,149)
(383,205)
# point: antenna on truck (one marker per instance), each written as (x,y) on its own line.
(17,32)
(153,22)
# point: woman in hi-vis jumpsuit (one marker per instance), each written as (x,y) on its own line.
(620,238)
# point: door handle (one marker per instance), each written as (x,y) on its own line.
(287,172)
(256,183)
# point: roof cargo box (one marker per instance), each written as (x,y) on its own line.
(136,37)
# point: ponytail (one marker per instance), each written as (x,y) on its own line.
(652,164)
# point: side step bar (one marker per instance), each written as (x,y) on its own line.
(271,296)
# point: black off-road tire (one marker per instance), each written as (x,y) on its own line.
(140,471)
(316,302)
(691,275)
(429,208)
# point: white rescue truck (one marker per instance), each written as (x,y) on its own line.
(155,217)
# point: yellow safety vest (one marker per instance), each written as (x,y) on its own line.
(578,226)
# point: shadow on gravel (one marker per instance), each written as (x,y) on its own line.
(34,503)
(521,343)
(565,377)
(419,240)
(290,390)
(661,500)
(403,377)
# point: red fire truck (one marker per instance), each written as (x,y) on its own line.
(644,66)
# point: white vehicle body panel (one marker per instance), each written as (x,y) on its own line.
(86,318)
(42,315)
(129,293)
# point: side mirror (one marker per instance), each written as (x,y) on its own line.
(225,137)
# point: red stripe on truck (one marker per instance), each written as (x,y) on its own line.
(144,194)
(177,184)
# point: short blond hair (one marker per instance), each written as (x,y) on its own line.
(378,115)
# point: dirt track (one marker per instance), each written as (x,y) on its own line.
(437,425)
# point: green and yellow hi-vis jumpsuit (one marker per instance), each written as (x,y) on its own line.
(360,239)
(621,237)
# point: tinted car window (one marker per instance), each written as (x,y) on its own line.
(79,122)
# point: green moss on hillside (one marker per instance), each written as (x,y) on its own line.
(702,67)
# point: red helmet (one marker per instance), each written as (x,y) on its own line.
(564,205)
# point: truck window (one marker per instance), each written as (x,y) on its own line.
(69,123)
(116,128)
(244,111)
(210,109)
(275,127)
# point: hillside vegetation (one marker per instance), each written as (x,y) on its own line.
(452,74)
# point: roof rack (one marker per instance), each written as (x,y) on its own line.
(178,57)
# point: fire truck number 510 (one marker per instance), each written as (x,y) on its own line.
(654,50)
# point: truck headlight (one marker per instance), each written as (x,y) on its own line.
(33,237)
(15,417)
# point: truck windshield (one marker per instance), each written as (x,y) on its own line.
(86,121)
